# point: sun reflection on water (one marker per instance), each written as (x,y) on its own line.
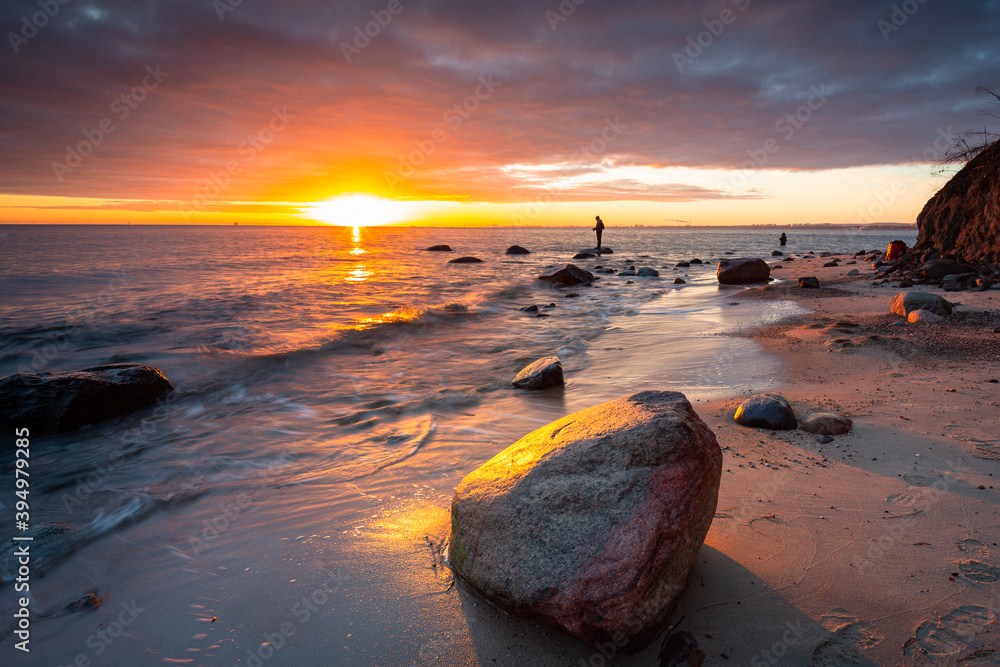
(360,272)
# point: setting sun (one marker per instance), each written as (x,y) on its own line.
(359,211)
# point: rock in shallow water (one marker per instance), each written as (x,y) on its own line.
(440,248)
(570,274)
(766,411)
(517,250)
(542,374)
(591,523)
(49,542)
(465,260)
(743,271)
(51,402)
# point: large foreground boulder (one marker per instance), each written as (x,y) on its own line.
(570,274)
(542,374)
(766,411)
(49,402)
(591,523)
(904,303)
(743,271)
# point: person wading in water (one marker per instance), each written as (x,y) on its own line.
(599,229)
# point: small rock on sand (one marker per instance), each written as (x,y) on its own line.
(542,374)
(766,411)
(905,302)
(826,423)
(809,282)
(925,316)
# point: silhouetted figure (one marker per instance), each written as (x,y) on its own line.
(599,229)
(783,239)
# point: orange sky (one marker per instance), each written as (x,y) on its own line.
(807,112)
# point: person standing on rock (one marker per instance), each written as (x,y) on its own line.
(599,229)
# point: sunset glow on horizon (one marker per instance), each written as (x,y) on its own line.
(453,115)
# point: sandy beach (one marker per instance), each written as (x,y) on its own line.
(879,547)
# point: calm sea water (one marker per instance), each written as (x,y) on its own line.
(332,387)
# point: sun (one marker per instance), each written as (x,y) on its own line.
(359,211)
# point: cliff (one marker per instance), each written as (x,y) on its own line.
(963,219)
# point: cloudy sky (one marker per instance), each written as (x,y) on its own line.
(733,111)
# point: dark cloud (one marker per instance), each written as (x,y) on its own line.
(883,93)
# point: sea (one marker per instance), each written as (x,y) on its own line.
(287,503)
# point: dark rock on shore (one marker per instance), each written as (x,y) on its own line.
(647,272)
(682,265)
(680,281)
(52,402)
(809,282)
(440,248)
(569,274)
(591,523)
(766,411)
(831,264)
(465,260)
(905,302)
(777,253)
(696,261)
(584,255)
(743,271)
(517,250)
(939,268)
(542,374)
(602,250)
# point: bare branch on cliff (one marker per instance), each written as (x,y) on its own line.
(973,142)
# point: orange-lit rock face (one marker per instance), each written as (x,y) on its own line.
(591,523)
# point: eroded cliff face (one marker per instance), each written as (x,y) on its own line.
(963,219)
